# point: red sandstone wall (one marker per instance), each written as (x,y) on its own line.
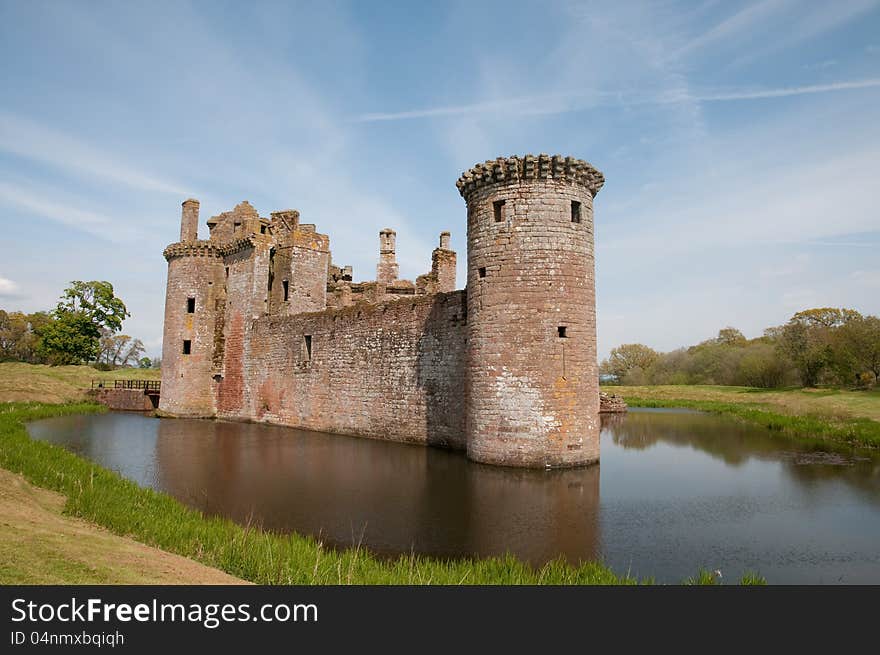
(186,379)
(307,280)
(247,294)
(393,371)
(532,396)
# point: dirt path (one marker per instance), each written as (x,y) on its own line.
(39,545)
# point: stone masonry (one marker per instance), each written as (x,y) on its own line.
(261,325)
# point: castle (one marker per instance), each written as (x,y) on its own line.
(260,324)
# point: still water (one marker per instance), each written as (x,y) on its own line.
(676,490)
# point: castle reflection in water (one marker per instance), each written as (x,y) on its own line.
(390,497)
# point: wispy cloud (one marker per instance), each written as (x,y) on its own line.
(38,204)
(731,28)
(566,103)
(789,91)
(25,138)
(808,23)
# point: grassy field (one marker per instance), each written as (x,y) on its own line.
(851,417)
(58,384)
(104,498)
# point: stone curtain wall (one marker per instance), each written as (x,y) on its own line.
(392,371)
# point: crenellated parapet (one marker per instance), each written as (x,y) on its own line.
(237,245)
(192,249)
(505,170)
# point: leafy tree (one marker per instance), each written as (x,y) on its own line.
(70,339)
(825,317)
(855,350)
(20,335)
(84,311)
(96,301)
(632,359)
(807,340)
(145,362)
(730,336)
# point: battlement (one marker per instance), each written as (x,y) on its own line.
(192,249)
(505,170)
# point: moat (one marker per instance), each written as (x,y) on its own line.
(675,490)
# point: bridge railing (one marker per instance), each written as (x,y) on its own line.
(146,385)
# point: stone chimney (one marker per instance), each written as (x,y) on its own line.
(387,270)
(189,221)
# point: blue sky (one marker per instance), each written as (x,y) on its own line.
(740,141)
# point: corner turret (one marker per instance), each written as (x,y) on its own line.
(531,373)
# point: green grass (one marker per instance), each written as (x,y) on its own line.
(20,382)
(850,417)
(103,497)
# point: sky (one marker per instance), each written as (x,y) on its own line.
(740,142)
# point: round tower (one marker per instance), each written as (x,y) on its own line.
(195,282)
(531,376)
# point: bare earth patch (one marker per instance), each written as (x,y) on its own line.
(39,545)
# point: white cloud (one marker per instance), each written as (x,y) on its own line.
(8,288)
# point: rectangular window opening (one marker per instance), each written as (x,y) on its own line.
(227,271)
(498,208)
(575,211)
(286,286)
(190,305)
(482,272)
(187,347)
(236,226)
(308,339)
(262,229)
(561,331)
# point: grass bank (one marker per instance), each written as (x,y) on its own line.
(850,417)
(40,545)
(21,382)
(103,497)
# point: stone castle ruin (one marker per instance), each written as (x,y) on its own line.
(260,325)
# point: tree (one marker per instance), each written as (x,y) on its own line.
(145,362)
(84,311)
(633,359)
(856,349)
(70,339)
(132,354)
(730,336)
(827,317)
(95,300)
(20,335)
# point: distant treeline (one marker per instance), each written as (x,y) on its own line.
(82,328)
(823,346)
